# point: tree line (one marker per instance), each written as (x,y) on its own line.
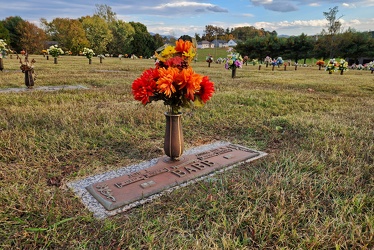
(102,32)
(349,44)
(105,34)
(330,43)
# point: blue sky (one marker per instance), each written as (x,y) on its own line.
(169,17)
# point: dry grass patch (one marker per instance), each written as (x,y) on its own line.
(315,189)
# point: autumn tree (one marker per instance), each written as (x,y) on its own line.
(32,37)
(69,33)
(97,32)
(248,32)
(211,32)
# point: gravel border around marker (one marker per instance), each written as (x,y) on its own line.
(79,187)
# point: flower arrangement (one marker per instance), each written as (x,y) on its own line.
(233,61)
(370,66)
(245,60)
(55,51)
(320,63)
(360,67)
(89,53)
(28,69)
(101,57)
(279,61)
(254,62)
(331,66)
(268,60)
(3,48)
(209,59)
(343,65)
(173,80)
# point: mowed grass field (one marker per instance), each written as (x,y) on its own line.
(314,189)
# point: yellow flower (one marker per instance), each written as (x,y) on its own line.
(159,57)
(190,54)
(168,51)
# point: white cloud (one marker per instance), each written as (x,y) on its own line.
(348,5)
(291,25)
(191,5)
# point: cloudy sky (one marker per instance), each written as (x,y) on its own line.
(171,17)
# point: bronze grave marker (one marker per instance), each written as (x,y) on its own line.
(165,174)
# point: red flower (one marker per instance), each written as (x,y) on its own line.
(206,89)
(144,86)
(174,62)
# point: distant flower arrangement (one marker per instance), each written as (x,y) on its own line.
(343,65)
(55,51)
(331,66)
(279,61)
(268,60)
(173,80)
(233,61)
(3,48)
(320,63)
(370,66)
(89,53)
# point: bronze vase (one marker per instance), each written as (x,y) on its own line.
(29,79)
(55,60)
(233,72)
(1,64)
(173,142)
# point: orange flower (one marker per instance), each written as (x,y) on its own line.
(167,81)
(183,46)
(173,80)
(190,81)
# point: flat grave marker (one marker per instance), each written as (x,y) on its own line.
(115,192)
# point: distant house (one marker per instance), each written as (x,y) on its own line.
(232,43)
(361,60)
(50,43)
(205,45)
(220,43)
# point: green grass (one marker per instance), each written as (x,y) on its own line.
(314,190)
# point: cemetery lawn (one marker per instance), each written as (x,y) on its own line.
(314,189)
